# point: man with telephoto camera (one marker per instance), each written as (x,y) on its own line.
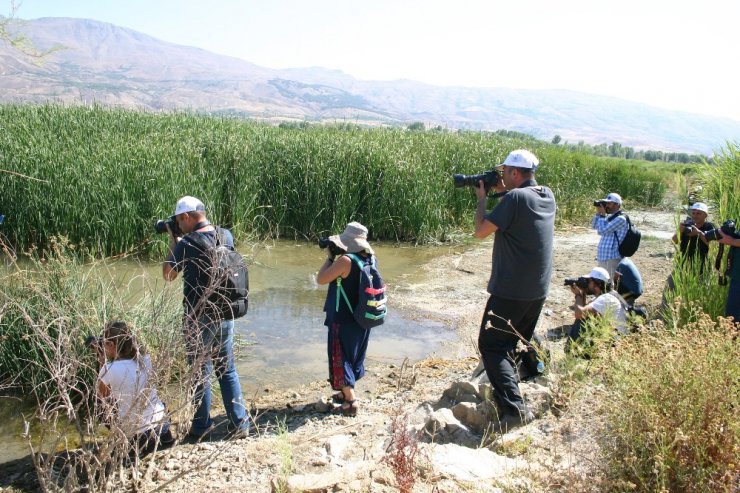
(523,223)
(611,224)
(209,334)
(691,234)
(606,302)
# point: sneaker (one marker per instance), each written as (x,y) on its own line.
(237,433)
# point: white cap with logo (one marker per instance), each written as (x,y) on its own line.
(188,204)
(700,206)
(613,197)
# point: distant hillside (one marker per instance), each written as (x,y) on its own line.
(110,65)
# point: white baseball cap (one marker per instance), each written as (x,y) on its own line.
(599,273)
(521,158)
(188,204)
(614,197)
(700,206)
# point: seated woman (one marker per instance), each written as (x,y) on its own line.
(130,401)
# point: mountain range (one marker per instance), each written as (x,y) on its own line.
(97,62)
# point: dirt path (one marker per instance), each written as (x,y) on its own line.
(346,453)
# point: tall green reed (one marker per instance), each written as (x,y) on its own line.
(106,174)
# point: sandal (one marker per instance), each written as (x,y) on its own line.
(338,398)
(349,408)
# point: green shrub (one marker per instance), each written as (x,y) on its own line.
(672,408)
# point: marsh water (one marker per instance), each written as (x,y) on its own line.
(283,331)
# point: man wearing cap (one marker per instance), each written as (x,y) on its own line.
(691,236)
(523,223)
(208,338)
(605,303)
(612,226)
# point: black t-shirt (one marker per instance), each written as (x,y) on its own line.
(522,249)
(690,244)
(190,259)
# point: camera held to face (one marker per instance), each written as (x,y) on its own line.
(491,179)
(727,229)
(161,226)
(599,203)
(333,249)
(581,282)
(94,343)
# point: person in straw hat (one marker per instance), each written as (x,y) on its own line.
(347,340)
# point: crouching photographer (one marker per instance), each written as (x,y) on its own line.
(606,302)
(129,401)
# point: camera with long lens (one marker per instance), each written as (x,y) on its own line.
(599,203)
(688,224)
(93,342)
(333,249)
(727,229)
(490,179)
(161,226)
(581,282)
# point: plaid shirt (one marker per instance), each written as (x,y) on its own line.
(609,244)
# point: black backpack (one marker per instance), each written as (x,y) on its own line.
(631,241)
(371,302)
(228,291)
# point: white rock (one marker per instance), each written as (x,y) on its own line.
(466,464)
(336,445)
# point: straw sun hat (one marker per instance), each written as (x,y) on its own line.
(353,239)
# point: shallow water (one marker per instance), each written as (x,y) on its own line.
(284,325)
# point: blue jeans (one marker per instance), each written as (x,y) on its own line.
(213,343)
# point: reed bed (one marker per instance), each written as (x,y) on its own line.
(101,177)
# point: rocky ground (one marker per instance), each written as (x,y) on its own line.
(299,446)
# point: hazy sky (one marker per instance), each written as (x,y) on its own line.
(680,54)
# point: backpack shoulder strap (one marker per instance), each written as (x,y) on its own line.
(197,240)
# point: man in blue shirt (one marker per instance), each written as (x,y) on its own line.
(628,280)
(612,226)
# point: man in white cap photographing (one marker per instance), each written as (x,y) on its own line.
(611,224)
(691,232)
(209,333)
(606,302)
(523,223)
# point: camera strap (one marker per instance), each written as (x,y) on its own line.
(718,265)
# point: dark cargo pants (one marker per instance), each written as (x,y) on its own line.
(508,321)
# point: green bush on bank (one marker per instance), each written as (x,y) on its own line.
(672,409)
(101,176)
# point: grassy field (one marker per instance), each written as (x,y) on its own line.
(101,177)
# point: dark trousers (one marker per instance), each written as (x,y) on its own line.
(504,323)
